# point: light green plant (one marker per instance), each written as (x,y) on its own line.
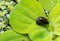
(24,24)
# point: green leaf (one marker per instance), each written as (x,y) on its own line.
(12,36)
(54,13)
(48,4)
(54,19)
(57,30)
(57,39)
(39,33)
(24,14)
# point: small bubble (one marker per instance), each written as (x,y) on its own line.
(52,5)
(52,2)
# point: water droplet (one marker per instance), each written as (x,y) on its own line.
(46,12)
